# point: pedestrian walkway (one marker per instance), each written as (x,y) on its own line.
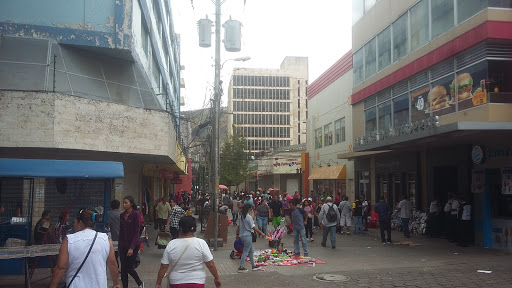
(361,260)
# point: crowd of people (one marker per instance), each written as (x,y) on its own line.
(254,213)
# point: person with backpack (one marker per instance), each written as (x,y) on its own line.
(329,218)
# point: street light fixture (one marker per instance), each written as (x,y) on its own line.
(240,59)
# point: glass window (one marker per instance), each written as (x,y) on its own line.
(370,57)
(419,25)
(385,116)
(384,44)
(500,3)
(470,8)
(419,103)
(370,116)
(357,10)
(328,134)
(442,16)
(399,39)
(368,4)
(339,130)
(318,138)
(358,67)
(400,110)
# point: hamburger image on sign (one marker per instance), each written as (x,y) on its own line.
(438,98)
(464,86)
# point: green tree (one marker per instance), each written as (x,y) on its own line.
(234,161)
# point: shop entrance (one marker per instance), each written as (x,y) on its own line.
(445,181)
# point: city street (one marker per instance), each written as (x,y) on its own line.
(357,261)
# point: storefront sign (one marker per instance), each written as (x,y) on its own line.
(407,129)
(480,154)
(502,234)
(286,165)
(477,155)
(506,179)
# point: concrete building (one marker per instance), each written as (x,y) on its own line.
(329,131)
(91,80)
(269,106)
(432,102)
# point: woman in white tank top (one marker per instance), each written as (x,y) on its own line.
(72,253)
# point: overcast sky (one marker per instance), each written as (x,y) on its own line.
(272,30)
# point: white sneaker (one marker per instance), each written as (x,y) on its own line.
(141,285)
(307,239)
(311,239)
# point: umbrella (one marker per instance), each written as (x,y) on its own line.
(223,187)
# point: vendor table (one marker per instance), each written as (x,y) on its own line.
(27,252)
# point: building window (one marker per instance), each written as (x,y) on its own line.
(339,130)
(357,10)
(370,116)
(370,58)
(358,67)
(318,138)
(328,134)
(470,8)
(144,35)
(442,16)
(399,38)
(384,44)
(400,110)
(384,116)
(419,25)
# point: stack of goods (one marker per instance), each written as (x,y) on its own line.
(272,257)
(274,238)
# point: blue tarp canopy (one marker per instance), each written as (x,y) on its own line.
(60,168)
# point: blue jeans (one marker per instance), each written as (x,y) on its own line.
(248,250)
(358,226)
(301,234)
(405,224)
(262,223)
(327,230)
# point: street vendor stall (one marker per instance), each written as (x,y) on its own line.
(30,188)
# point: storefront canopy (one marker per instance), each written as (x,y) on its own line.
(328,173)
(60,168)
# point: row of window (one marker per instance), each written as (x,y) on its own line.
(261,81)
(261,119)
(261,93)
(426,20)
(324,135)
(266,132)
(261,106)
(259,145)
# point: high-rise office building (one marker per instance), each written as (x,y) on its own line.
(268,106)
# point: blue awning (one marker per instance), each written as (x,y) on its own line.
(60,168)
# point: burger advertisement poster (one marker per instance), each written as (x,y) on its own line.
(450,94)
(470,83)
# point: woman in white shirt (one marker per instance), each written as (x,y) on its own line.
(72,254)
(187,256)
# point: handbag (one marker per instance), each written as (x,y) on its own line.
(179,258)
(83,262)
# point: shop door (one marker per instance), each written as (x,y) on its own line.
(445,181)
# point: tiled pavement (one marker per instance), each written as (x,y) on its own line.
(361,259)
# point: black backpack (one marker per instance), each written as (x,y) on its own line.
(331,214)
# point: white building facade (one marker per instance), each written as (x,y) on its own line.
(268,106)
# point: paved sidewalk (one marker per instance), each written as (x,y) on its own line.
(361,260)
